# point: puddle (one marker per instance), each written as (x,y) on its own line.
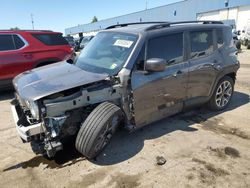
(125,181)
(208,172)
(91,178)
(209,125)
(66,157)
(214,124)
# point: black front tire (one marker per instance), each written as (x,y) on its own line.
(213,103)
(248,45)
(97,130)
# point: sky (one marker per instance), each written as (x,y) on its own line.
(57,15)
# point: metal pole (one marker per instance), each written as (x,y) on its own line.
(146,5)
(32,21)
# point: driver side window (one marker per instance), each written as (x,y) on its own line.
(169,48)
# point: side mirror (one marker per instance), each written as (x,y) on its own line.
(243,31)
(155,65)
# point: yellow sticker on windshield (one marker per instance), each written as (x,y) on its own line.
(113,66)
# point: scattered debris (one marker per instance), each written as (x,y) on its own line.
(216,171)
(190,176)
(199,161)
(219,152)
(160,160)
(209,172)
(223,152)
(232,152)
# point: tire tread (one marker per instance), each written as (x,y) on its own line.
(91,127)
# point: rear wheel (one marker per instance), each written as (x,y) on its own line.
(238,45)
(248,45)
(97,130)
(222,94)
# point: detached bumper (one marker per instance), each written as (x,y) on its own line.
(25,132)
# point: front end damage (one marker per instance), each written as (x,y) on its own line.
(48,122)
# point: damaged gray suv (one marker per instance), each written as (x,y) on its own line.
(128,76)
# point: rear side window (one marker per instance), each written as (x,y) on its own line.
(201,43)
(18,42)
(6,43)
(220,39)
(51,39)
(169,47)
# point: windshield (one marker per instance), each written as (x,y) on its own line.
(85,40)
(106,52)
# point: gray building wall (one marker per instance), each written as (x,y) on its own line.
(180,11)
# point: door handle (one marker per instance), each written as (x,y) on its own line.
(177,73)
(208,65)
(27,55)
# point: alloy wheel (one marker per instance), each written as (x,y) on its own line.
(107,132)
(223,94)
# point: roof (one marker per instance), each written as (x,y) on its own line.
(27,31)
(153,26)
(132,28)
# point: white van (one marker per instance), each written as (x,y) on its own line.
(245,36)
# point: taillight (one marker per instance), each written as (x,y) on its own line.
(234,56)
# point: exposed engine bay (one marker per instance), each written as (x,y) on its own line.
(50,121)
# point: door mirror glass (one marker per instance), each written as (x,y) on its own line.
(155,65)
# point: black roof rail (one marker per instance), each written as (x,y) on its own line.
(133,23)
(26,30)
(168,24)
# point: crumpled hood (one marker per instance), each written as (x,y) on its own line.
(47,80)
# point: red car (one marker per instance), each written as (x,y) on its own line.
(24,50)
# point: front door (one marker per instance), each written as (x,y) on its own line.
(160,94)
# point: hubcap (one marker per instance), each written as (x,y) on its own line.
(107,132)
(223,94)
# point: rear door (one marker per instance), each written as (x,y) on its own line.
(12,61)
(53,47)
(203,63)
(160,94)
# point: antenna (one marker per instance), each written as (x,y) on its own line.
(32,21)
